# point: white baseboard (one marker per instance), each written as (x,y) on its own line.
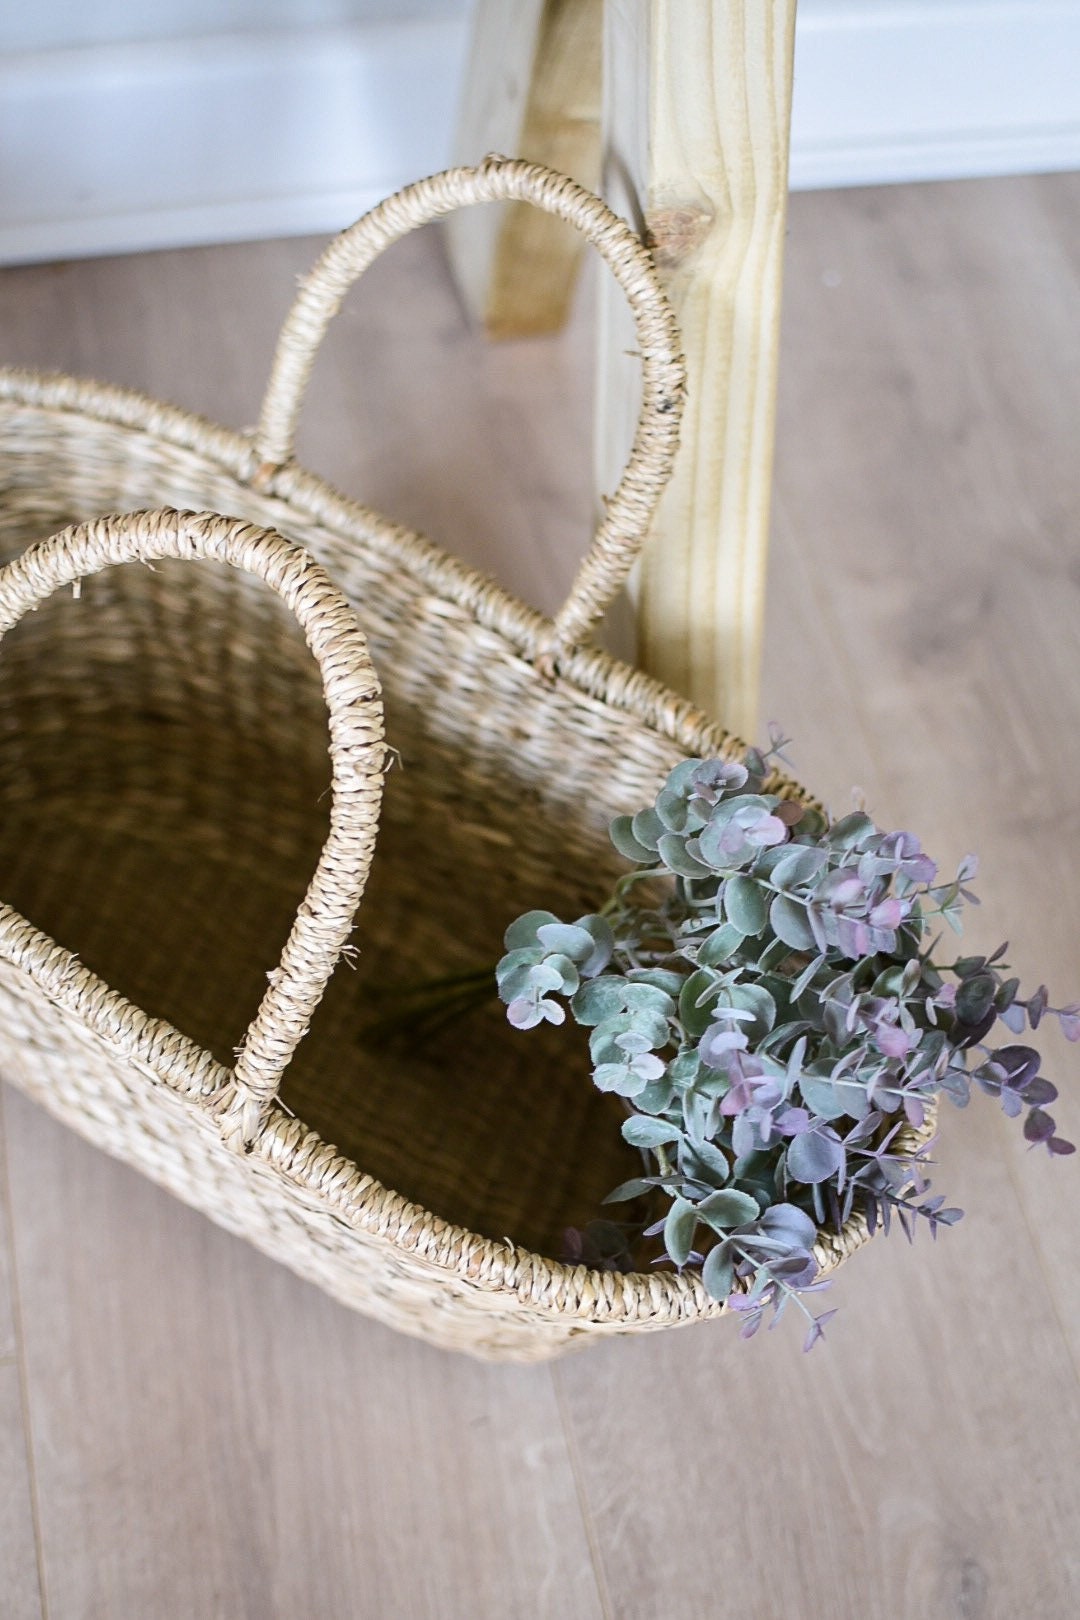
(108,149)
(889,90)
(111,149)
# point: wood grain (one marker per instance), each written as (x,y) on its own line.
(20,1592)
(696,122)
(8,1339)
(212,1438)
(531,90)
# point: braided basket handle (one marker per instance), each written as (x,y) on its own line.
(351,689)
(630,510)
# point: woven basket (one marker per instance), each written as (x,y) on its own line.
(163,802)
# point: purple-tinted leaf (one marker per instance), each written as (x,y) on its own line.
(1069,1019)
(816,1330)
(1037,1006)
(718,1041)
(1040,1091)
(1039,1126)
(915,1111)
(893,1041)
(1018,1064)
(794,1270)
(788,1221)
(793,1121)
(1059,1146)
(524,1013)
(815,1156)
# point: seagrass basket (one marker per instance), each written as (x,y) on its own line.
(164,801)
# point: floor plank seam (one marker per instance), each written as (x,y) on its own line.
(19,1358)
(591,1537)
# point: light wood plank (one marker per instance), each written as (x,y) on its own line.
(214,1437)
(8,1336)
(868,1480)
(20,1593)
(928,430)
(922,642)
(696,124)
(532,90)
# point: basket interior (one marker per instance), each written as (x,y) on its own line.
(163,799)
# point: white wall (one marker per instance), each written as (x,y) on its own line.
(42,25)
(130,124)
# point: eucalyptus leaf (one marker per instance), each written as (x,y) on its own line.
(796,956)
(727,1209)
(599,999)
(850,830)
(828,1100)
(718,1271)
(619,1078)
(814,1157)
(679,1230)
(678,859)
(621,833)
(647,828)
(566,940)
(642,1132)
(523,933)
(721,946)
(642,996)
(790,923)
(799,865)
(636,1187)
(754,999)
(746,904)
(698,996)
(704,1161)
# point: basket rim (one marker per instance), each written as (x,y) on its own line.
(285,1146)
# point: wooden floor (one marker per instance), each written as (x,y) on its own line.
(186,1430)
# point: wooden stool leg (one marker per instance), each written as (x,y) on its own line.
(695,131)
(532,90)
(697,104)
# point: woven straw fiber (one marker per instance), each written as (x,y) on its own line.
(164,800)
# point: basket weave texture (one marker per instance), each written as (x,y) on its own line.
(164,801)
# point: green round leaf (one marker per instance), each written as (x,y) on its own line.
(745,904)
(599,999)
(622,836)
(523,933)
(721,946)
(728,1208)
(647,828)
(718,1271)
(641,1131)
(790,923)
(679,1230)
(678,859)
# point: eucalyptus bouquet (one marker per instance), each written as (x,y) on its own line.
(764,993)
